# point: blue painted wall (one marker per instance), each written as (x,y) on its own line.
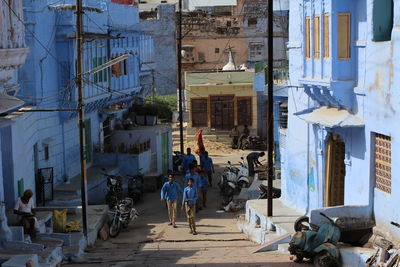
(46,83)
(366,86)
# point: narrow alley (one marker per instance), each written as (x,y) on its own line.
(150,241)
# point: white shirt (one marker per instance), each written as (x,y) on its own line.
(21,206)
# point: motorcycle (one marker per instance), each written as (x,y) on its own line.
(227,189)
(317,243)
(233,180)
(114,185)
(238,176)
(276,192)
(122,214)
(253,142)
(135,186)
(177,160)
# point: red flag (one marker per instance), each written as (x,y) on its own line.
(124,2)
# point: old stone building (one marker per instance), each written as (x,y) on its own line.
(210,32)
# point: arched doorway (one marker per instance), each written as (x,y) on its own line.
(335,171)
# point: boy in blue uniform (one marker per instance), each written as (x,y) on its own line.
(204,184)
(169,192)
(207,165)
(189,204)
(193,174)
(187,160)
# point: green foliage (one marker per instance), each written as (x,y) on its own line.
(168,100)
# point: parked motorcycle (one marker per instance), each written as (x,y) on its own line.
(233,180)
(135,186)
(238,176)
(253,142)
(122,214)
(114,192)
(276,192)
(318,243)
(177,160)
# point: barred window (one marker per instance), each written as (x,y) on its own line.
(199,112)
(383,163)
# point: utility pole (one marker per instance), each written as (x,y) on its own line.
(79,83)
(270,116)
(179,54)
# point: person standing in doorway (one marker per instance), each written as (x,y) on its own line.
(169,193)
(189,204)
(207,165)
(188,159)
(253,160)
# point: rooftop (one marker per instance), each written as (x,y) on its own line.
(219,78)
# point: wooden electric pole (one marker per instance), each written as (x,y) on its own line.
(179,55)
(81,118)
(270,115)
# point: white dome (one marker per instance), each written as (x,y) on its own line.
(229,65)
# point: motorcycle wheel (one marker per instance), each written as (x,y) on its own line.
(302,224)
(323,259)
(115,227)
(227,199)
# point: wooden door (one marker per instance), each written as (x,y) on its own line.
(335,171)
(222,112)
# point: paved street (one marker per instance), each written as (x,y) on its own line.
(151,242)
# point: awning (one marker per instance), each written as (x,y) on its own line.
(8,103)
(330,117)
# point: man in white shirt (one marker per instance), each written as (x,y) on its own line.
(25,208)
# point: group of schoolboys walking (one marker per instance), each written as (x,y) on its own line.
(197,180)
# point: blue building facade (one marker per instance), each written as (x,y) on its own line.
(341,145)
(36,142)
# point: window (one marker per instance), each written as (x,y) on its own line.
(326,35)
(100,76)
(229,23)
(383,163)
(256,49)
(307,37)
(252,22)
(382,20)
(46,152)
(317,48)
(201,56)
(216,50)
(244,111)
(199,112)
(344,35)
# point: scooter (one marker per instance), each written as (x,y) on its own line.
(122,214)
(227,189)
(318,244)
(238,176)
(135,186)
